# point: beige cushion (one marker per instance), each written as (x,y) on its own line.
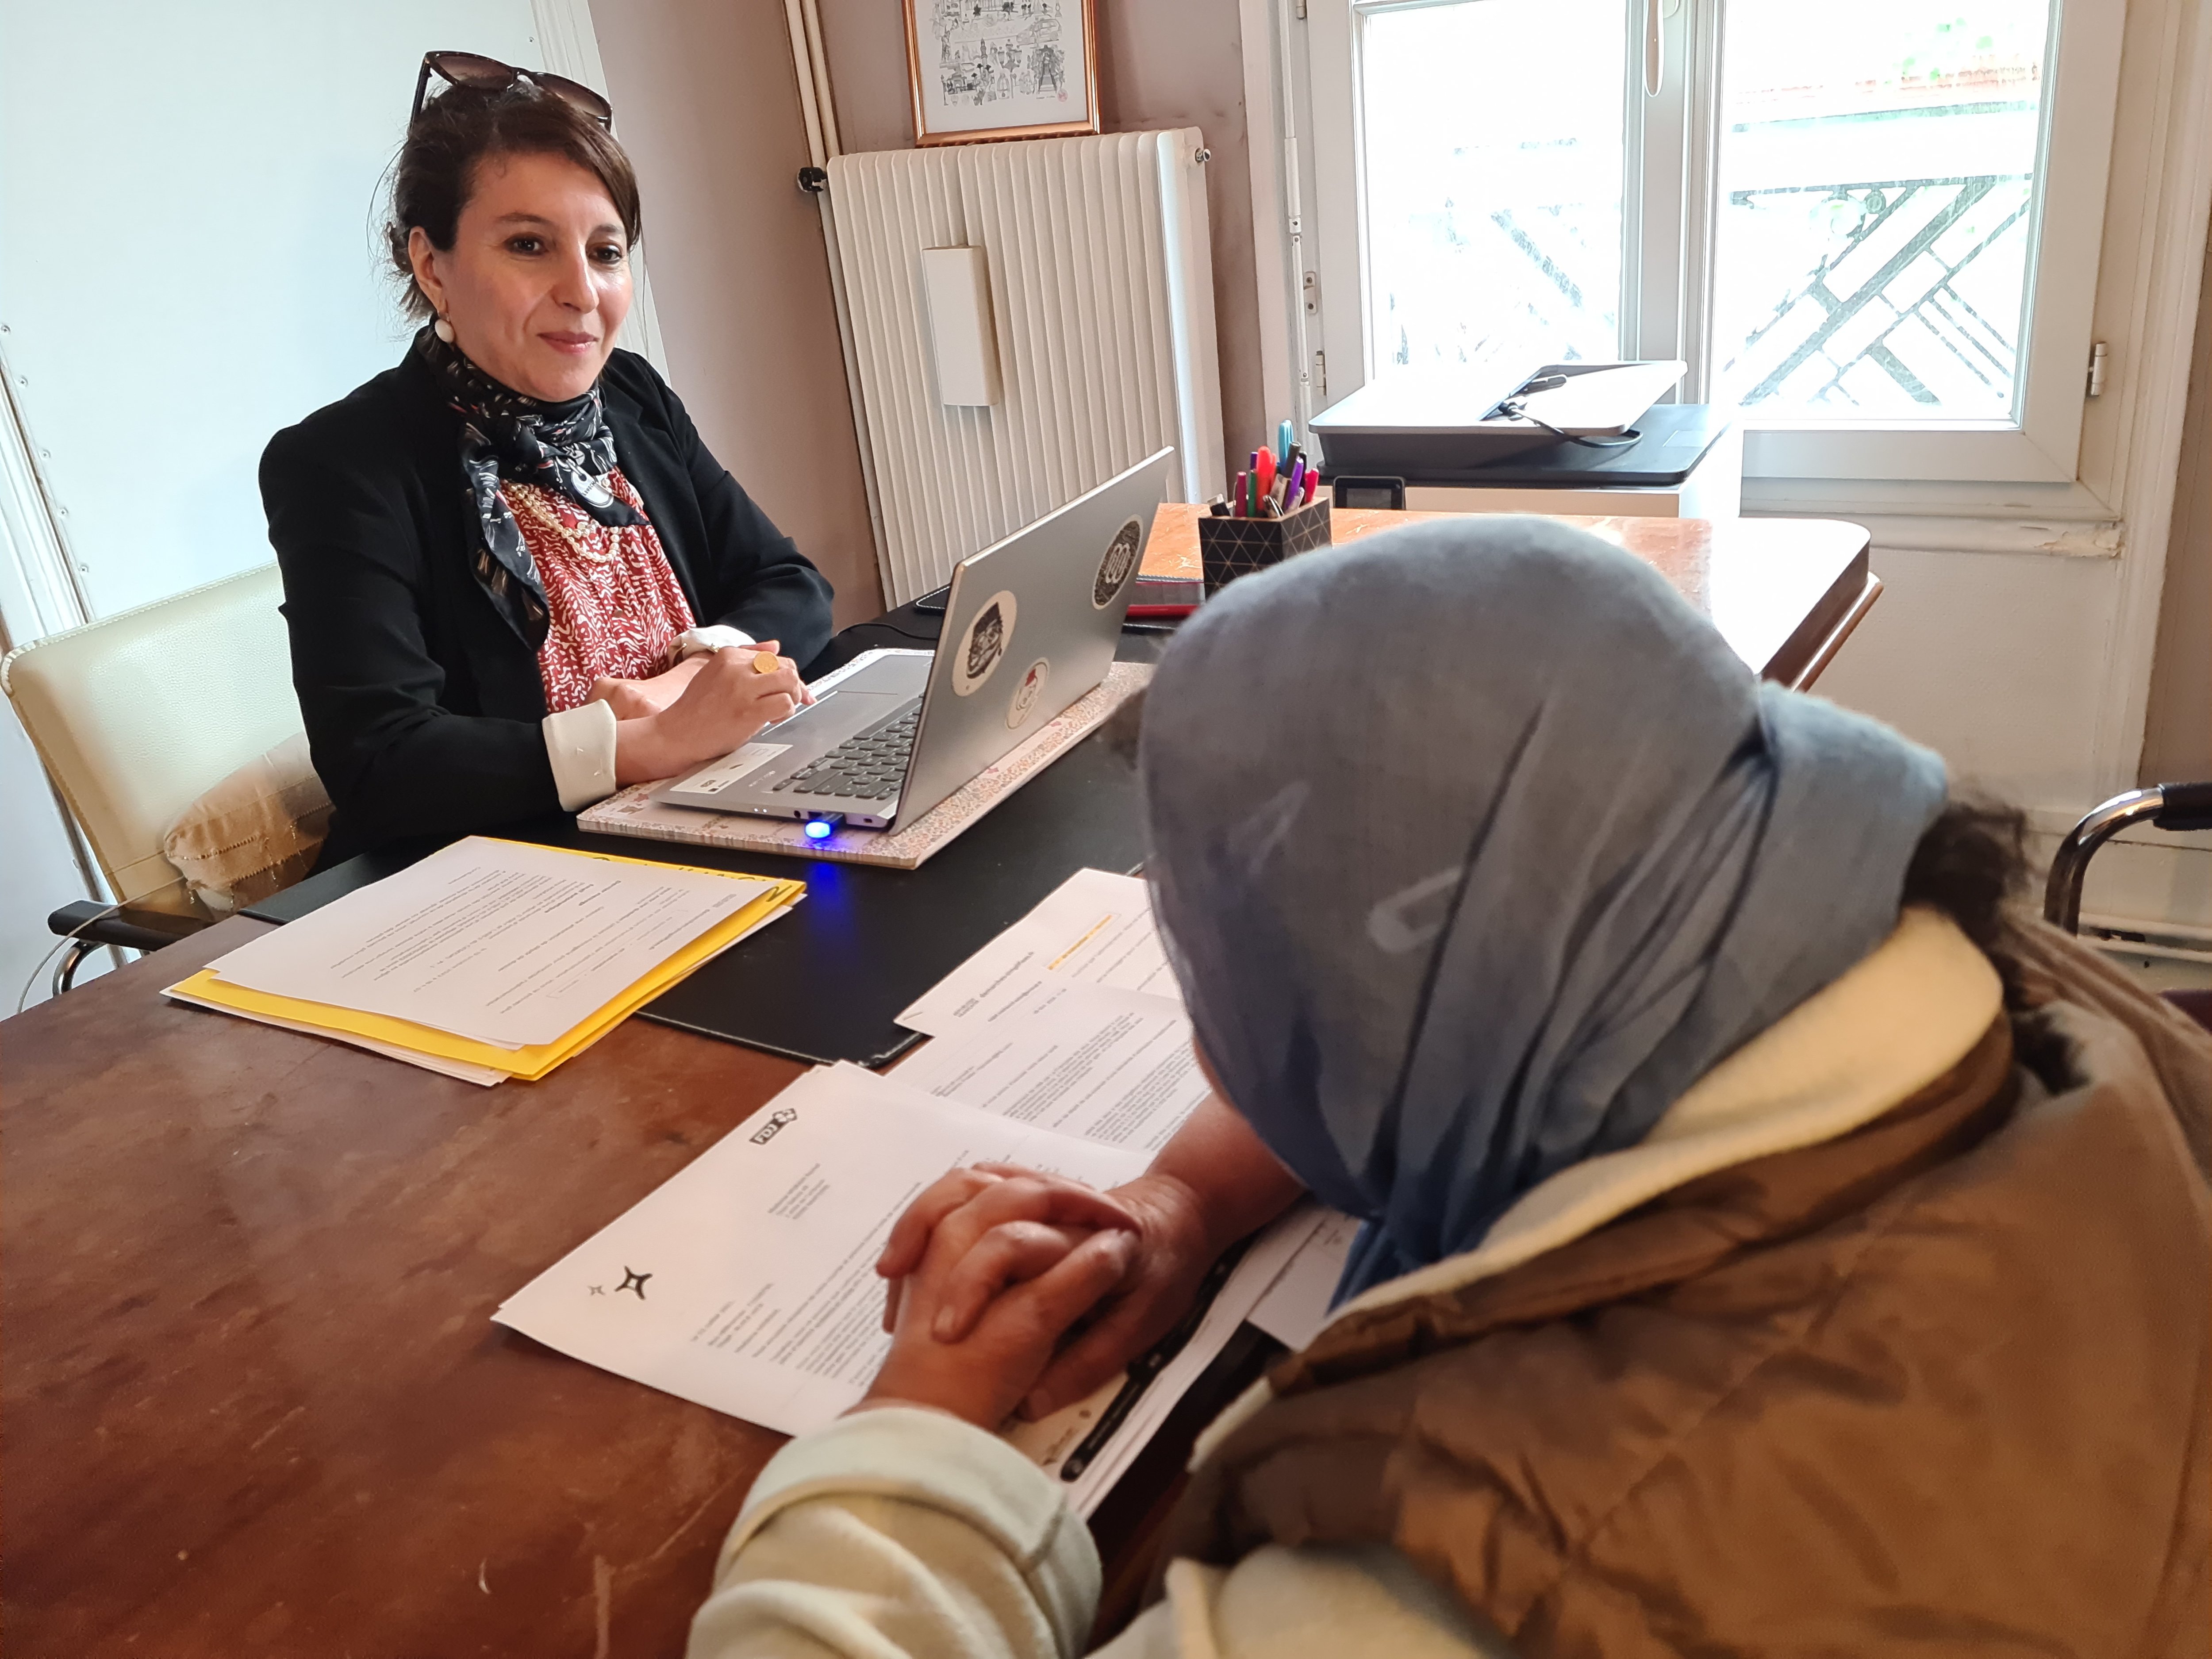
(137,714)
(255,832)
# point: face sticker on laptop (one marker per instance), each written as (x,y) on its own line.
(1027,693)
(1119,564)
(985,643)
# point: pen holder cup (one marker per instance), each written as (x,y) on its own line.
(1229,548)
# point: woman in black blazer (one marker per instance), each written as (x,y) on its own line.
(512,571)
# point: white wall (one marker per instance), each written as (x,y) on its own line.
(187,202)
(2178,740)
(37,874)
(707,101)
(1995,659)
(188,194)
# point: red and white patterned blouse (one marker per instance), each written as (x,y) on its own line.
(616,607)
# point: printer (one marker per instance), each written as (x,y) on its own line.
(1514,424)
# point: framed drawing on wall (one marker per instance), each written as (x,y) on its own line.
(1002,69)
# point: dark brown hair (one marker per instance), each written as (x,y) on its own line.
(462,128)
(1970,864)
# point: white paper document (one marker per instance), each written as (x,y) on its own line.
(1050,1442)
(747,1282)
(495,940)
(1095,928)
(1297,1304)
(483,1076)
(1084,1059)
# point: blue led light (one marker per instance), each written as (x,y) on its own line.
(819,828)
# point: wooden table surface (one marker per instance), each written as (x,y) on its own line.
(1784,592)
(251,1398)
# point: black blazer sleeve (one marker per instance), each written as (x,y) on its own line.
(745,572)
(357,592)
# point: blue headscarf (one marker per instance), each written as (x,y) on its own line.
(1474,845)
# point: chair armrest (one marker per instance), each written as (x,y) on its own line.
(2184,806)
(134,930)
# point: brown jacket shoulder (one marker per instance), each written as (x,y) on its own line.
(1937,1385)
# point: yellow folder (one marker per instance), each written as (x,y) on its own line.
(528,1063)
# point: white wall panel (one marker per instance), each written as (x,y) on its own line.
(1995,660)
(188,197)
(188,260)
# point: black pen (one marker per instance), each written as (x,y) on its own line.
(1147,1369)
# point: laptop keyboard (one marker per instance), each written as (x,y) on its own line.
(870,766)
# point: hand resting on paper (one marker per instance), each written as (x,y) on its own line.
(1212,1184)
(1001,1264)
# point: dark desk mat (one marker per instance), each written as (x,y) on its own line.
(826,982)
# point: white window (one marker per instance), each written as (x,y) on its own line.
(1874,228)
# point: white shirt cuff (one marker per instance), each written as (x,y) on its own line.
(719,636)
(581,744)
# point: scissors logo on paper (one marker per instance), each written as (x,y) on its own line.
(632,1280)
(767,1132)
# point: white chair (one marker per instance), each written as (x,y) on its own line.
(137,716)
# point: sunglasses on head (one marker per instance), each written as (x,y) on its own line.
(466,69)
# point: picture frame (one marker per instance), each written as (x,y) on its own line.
(982,70)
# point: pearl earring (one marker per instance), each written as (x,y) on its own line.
(443,329)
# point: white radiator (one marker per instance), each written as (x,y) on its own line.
(1100,298)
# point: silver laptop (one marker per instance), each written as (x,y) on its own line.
(1031,624)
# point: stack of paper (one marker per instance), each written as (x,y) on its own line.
(490,959)
(1072,1017)
(747,1282)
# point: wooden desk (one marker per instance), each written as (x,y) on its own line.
(252,1402)
(1784,592)
(253,1399)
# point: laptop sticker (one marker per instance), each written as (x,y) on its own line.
(1119,564)
(988,636)
(1027,693)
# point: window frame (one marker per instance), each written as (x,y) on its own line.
(1668,224)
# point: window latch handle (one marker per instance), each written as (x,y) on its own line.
(1654,48)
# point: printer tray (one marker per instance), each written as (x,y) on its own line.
(1403,424)
(1676,438)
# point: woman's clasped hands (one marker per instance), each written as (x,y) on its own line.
(1011,1289)
(699,710)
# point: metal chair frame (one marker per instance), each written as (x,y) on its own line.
(2174,806)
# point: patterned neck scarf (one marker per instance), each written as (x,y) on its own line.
(563,447)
